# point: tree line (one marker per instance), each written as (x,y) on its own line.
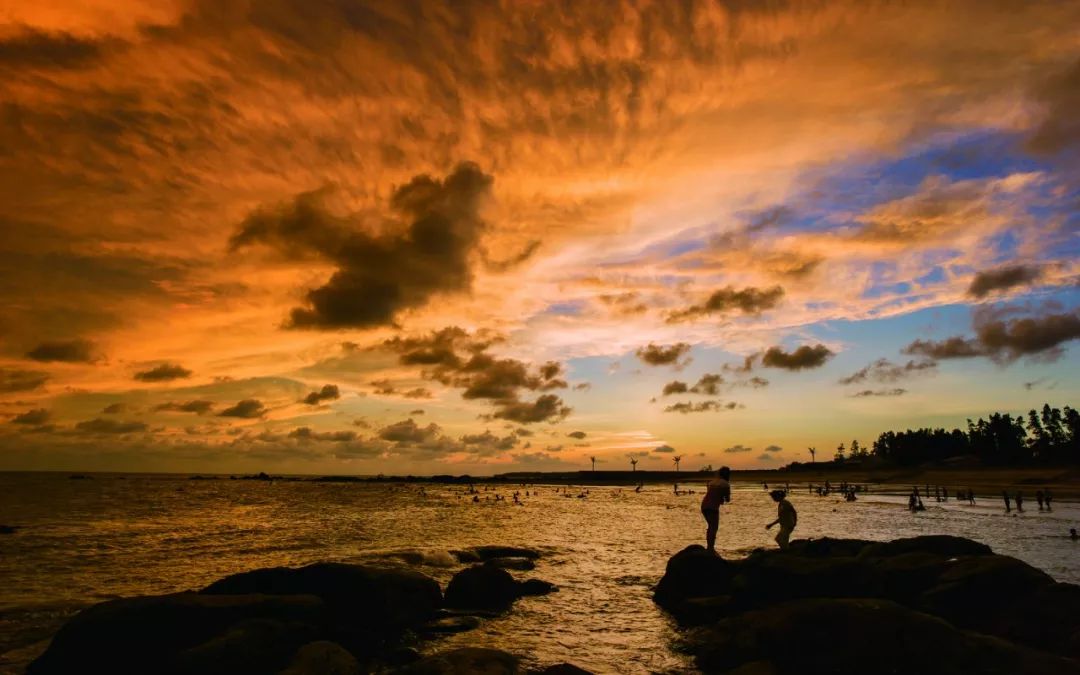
(1049,436)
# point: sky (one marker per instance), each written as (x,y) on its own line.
(346,237)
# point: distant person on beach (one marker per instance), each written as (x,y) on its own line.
(971,497)
(1008,505)
(1072,534)
(1019,501)
(717,492)
(1039,498)
(785,517)
(1048,497)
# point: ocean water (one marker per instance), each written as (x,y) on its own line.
(84,541)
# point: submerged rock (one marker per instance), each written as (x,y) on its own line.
(466,661)
(518,564)
(451,624)
(485,553)
(487,587)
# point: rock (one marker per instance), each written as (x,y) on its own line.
(451,624)
(490,552)
(481,587)
(150,634)
(466,556)
(9,529)
(466,661)
(563,669)
(322,658)
(693,572)
(939,544)
(784,576)
(535,587)
(252,647)
(827,547)
(832,636)
(519,564)
(380,600)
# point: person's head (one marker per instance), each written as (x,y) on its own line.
(724,472)
(778,495)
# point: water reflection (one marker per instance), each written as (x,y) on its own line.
(85,541)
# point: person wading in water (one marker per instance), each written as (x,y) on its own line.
(718,492)
(785,517)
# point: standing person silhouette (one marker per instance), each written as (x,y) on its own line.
(785,516)
(717,492)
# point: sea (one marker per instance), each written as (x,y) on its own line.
(83,541)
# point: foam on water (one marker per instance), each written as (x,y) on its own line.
(90,540)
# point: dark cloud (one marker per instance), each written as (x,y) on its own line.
(704,406)
(68,351)
(30,48)
(114,409)
(738,448)
(418,411)
(754,382)
(708,384)
(664,449)
(1003,278)
(163,373)
(1042,382)
(329,392)
(675,387)
(577,434)
(15,379)
(441,347)
(765,457)
(408,432)
(885,371)
(950,348)
(879,392)
(658,355)
(749,300)
(101,425)
(1004,338)
(36,417)
(199,407)
(802,358)
(1059,97)
(546,408)
(773,448)
(490,441)
(307,434)
(427,250)
(249,408)
(582,386)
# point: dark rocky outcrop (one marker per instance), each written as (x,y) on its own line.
(466,661)
(823,605)
(487,587)
(322,658)
(517,564)
(486,553)
(9,529)
(381,600)
(183,633)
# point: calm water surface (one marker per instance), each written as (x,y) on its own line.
(84,541)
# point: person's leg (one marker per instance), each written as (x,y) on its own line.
(783,537)
(712,519)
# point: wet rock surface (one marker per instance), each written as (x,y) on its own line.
(826,604)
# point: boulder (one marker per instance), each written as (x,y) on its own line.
(827,547)
(369,598)
(481,587)
(466,661)
(252,647)
(693,572)
(322,658)
(938,544)
(162,634)
(563,669)
(835,635)
(970,588)
(783,576)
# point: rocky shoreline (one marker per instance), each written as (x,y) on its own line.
(928,604)
(321,619)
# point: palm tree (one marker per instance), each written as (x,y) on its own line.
(593,463)
(813,454)
(677,459)
(633,464)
